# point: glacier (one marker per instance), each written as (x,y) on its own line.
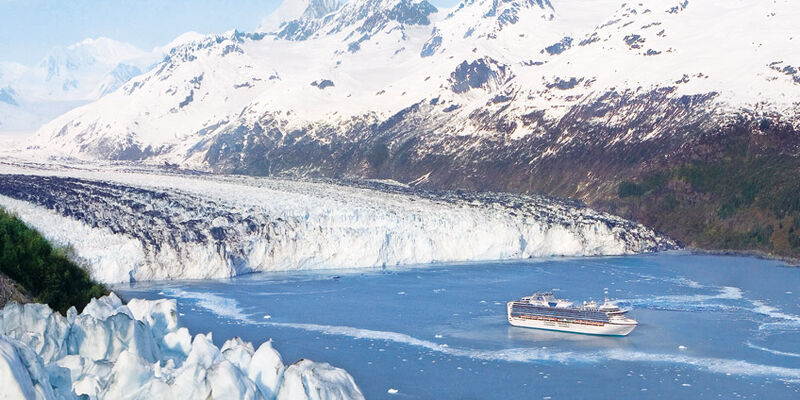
(138,350)
(137,225)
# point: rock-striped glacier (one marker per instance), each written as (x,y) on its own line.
(138,351)
(151,225)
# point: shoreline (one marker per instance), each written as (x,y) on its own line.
(791,262)
(336,273)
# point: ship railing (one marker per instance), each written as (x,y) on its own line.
(566,313)
(561,320)
(559,316)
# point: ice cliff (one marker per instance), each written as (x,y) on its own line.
(149,226)
(138,351)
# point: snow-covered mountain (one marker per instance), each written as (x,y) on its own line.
(139,350)
(72,72)
(71,76)
(297,10)
(145,226)
(511,89)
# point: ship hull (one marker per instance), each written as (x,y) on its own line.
(607,329)
(572,326)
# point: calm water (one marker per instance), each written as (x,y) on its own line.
(710,327)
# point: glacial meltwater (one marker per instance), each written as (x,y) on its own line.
(709,326)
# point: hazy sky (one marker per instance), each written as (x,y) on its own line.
(29,28)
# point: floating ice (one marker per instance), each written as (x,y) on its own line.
(777,318)
(721,300)
(773,351)
(117,351)
(316,381)
(533,355)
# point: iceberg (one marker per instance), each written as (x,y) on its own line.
(134,351)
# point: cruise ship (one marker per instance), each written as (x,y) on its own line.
(544,311)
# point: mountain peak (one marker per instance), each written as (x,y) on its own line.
(365,17)
(87,52)
(291,10)
(320,8)
(103,47)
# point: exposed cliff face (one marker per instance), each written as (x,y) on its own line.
(12,291)
(617,136)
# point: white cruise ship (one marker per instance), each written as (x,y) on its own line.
(544,311)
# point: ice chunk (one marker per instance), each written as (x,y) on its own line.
(161,314)
(228,382)
(238,352)
(102,339)
(306,379)
(105,307)
(28,324)
(17,383)
(23,375)
(114,351)
(131,378)
(266,369)
(178,342)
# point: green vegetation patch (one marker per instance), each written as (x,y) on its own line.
(739,202)
(43,270)
(649,183)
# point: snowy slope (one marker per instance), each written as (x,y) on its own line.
(145,226)
(138,350)
(531,74)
